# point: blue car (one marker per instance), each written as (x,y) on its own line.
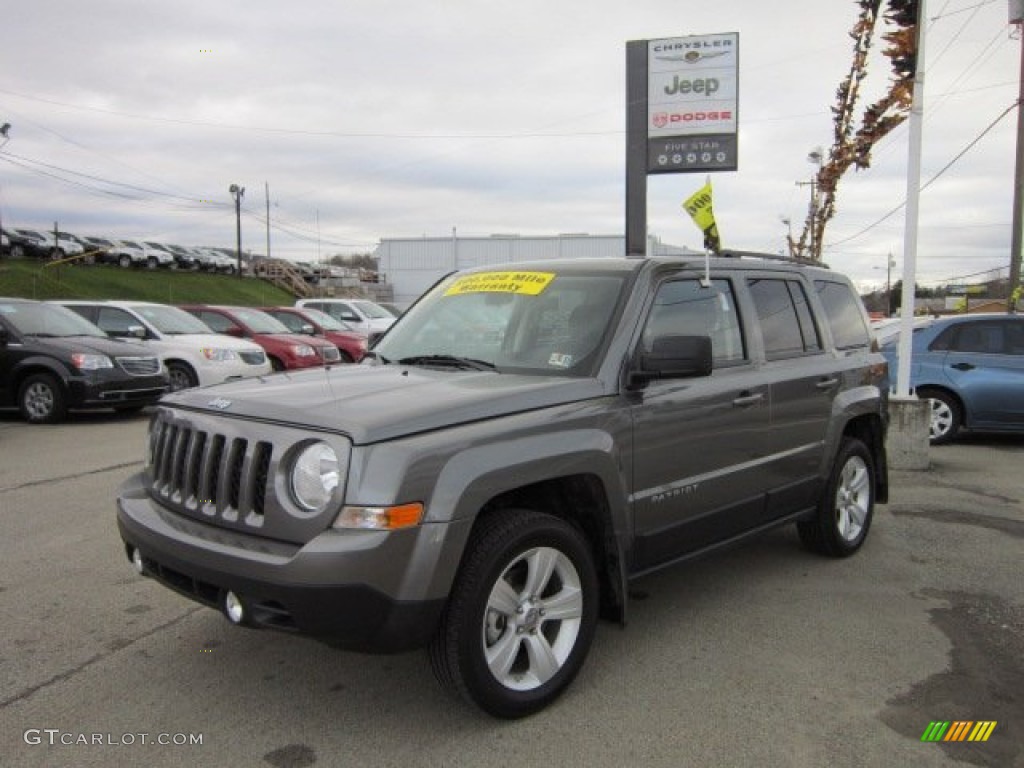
(971,369)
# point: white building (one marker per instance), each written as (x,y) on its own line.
(412,265)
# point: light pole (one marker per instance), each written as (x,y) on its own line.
(238,192)
(816,156)
(5,130)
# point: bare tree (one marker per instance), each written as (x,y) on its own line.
(852,144)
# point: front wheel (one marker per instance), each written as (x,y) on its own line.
(41,399)
(181,376)
(844,513)
(521,615)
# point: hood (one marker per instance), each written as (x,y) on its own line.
(217,340)
(91,345)
(371,403)
(292,338)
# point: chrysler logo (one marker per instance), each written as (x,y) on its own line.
(219,403)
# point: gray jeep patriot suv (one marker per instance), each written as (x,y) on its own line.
(521,445)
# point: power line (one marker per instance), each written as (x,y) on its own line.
(930,181)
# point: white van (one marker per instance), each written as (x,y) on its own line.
(194,355)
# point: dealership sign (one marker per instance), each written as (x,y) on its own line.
(692,101)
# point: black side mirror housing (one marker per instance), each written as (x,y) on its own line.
(672,357)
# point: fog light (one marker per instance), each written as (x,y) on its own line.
(233,608)
(137,561)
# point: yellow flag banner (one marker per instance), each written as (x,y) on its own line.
(698,205)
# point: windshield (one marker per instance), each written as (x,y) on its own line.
(527,322)
(259,322)
(371,310)
(171,320)
(47,320)
(324,320)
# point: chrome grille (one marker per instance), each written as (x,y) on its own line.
(253,358)
(213,474)
(139,366)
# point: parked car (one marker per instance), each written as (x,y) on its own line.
(131,253)
(523,445)
(362,314)
(186,259)
(193,354)
(26,243)
(971,370)
(285,350)
(306,320)
(103,248)
(52,360)
(165,256)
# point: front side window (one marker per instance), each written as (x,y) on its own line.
(687,308)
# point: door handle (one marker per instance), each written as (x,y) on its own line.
(963,366)
(748,398)
(826,383)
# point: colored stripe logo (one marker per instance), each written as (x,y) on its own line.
(958,730)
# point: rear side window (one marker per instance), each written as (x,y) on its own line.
(787,324)
(844,315)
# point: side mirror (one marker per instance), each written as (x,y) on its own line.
(350,317)
(235,331)
(137,331)
(673,357)
(307,329)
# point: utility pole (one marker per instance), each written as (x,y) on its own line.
(238,192)
(1017,17)
(4,134)
(266,189)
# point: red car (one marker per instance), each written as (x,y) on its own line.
(286,350)
(306,321)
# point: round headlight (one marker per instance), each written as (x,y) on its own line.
(315,475)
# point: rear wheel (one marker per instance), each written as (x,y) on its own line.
(152,263)
(946,416)
(847,505)
(41,399)
(124,261)
(521,615)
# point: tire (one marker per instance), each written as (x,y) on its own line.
(41,399)
(521,615)
(844,513)
(17,251)
(344,357)
(947,417)
(276,364)
(182,376)
(152,263)
(124,261)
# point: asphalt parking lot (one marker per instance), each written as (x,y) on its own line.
(762,655)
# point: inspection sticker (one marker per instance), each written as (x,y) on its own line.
(527,283)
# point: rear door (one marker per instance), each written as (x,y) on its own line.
(803,382)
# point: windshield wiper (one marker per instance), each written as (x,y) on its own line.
(452,360)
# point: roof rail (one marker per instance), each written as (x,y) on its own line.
(731,253)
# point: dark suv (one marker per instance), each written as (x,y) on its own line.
(52,360)
(519,447)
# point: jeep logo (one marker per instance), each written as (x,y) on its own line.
(705,85)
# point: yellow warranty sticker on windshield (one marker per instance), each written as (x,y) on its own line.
(528,283)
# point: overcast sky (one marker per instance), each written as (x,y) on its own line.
(372,119)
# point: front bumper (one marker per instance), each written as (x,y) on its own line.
(336,588)
(111,391)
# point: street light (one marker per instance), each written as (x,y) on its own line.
(5,130)
(238,193)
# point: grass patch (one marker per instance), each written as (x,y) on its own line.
(30,279)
